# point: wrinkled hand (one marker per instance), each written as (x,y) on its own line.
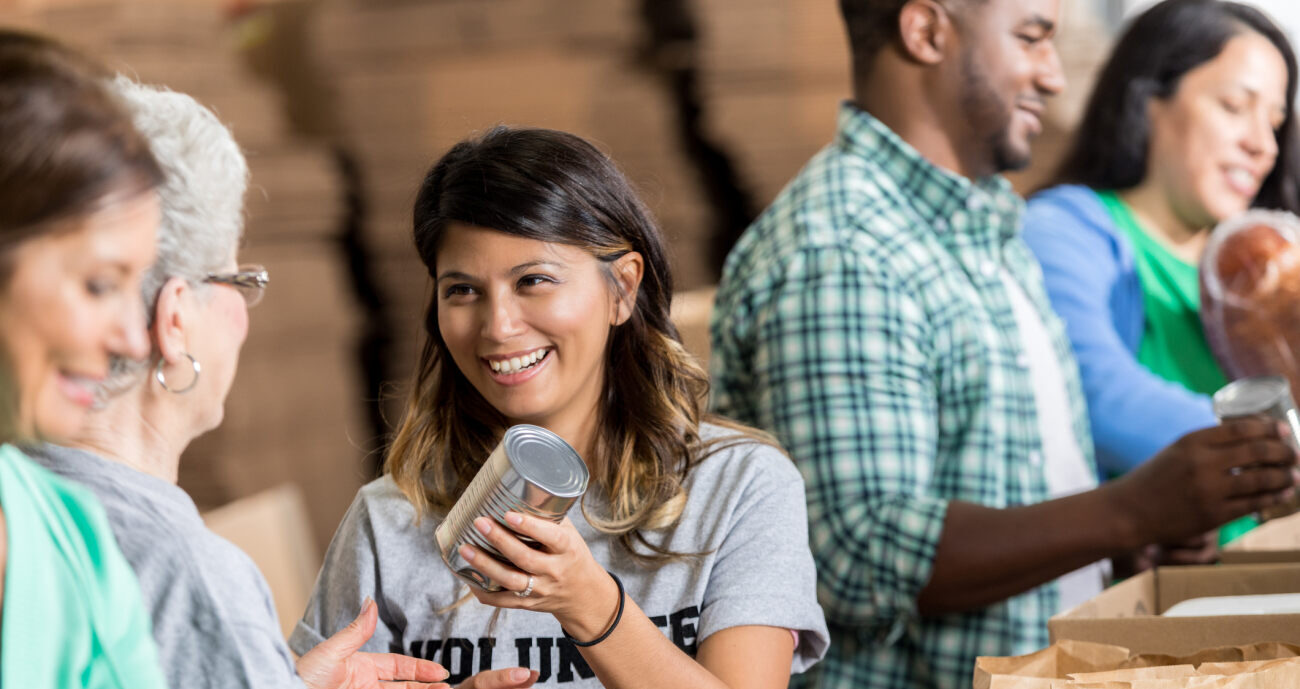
(1208,478)
(335,663)
(510,678)
(567,581)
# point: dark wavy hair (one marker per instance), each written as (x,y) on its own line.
(1109,149)
(555,187)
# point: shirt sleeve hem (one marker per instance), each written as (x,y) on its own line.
(304,639)
(782,612)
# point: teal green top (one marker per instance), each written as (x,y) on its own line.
(1173,340)
(72,611)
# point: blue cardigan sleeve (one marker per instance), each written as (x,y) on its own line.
(1087,267)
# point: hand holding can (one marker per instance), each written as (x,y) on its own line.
(531,471)
(1267,396)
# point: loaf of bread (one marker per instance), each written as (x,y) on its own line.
(1250,295)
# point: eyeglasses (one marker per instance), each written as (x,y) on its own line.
(250,281)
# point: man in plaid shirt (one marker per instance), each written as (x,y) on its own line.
(885,320)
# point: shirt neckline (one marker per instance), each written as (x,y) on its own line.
(935,193)
(88,467)
(1128,222)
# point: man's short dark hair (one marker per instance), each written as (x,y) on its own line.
(873,24)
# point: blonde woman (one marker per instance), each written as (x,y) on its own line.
(687,564)
(78,211)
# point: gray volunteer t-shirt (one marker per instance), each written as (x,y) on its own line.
(745,510)
(212,613)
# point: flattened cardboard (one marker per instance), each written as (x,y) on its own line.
(1129,614)
(273,529)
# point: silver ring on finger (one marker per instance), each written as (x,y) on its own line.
(528,590)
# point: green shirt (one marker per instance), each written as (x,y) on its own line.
(864,320)
(72,612)
(1173,342)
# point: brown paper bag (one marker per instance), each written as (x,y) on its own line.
(1282,675)
(1237,668)
(1014,682)
(1057,661)
(1130,674)
(1084,665)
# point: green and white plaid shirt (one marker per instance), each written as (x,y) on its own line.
(864,321)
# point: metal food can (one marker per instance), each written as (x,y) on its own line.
(531,471)
(1262,396)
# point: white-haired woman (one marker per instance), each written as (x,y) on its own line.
(212,613)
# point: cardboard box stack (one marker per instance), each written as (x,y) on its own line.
(411,79)
(774,73)
(294,412)
(414,78)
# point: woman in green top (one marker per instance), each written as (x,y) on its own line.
(78,215)
(1189,124)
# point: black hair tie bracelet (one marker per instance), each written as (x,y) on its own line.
(617,617)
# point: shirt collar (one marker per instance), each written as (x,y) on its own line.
(89,468)
(939,196)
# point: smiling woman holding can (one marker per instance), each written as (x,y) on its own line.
(687,563)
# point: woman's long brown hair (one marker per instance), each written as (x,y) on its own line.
(555,187)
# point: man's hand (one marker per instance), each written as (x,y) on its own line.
(1207,478)
(1200,550)
(336,663)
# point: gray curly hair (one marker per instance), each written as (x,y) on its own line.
(202,196)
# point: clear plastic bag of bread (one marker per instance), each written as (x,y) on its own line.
(1250,295)
(1250,298)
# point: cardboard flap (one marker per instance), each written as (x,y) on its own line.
(273,529)
(1177,584)
(1275,534)
(1134,597)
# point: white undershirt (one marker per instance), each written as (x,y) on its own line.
(1065,468)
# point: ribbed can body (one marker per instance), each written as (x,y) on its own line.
(531,471)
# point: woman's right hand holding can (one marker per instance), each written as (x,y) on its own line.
(561,578)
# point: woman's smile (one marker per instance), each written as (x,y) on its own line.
(518,367)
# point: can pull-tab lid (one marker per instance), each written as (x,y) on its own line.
(1247,396)
(546,460)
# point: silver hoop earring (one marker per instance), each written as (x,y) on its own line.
(162,380)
